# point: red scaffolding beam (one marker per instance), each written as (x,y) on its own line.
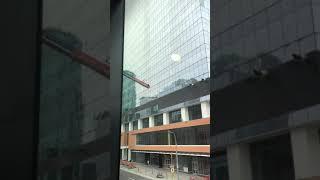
(88,61)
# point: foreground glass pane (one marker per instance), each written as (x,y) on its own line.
(166,101)
(249,36)
(266,106)
(75,101)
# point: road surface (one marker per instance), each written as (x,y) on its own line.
(124,175)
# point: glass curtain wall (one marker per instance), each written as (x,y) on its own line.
(156,33)
(167,65)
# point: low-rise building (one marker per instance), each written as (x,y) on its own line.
(149,137)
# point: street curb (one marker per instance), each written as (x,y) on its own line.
(148,177)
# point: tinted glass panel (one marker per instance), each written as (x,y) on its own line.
(185,136)
(157,138)
(75,93)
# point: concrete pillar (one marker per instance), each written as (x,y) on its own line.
(129,155)
(130,126)
(169,138)
(205,109)
(122,128)
(151,121)
(140,124)
(305,144)
(165,118)
(184,114)
(239,163)
(123,154)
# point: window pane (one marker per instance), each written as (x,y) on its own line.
(135,125)
(195,112)
(158,120)
(145,122)
(185,136)
(175,116)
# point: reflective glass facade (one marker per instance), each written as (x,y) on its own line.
(156,30)
(260,34)
(128,92)
(166,45)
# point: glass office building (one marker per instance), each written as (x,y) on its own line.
(166,44)
(159,32)
(128,93)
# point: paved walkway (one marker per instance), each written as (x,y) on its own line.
(152,171)
(130,174)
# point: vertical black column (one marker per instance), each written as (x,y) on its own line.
(116,61)
(20,22)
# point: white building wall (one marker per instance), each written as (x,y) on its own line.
(165,118)
(151,121)
(184,114)
(205,109)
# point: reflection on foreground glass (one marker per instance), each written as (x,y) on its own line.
(75,140)
(265,86)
